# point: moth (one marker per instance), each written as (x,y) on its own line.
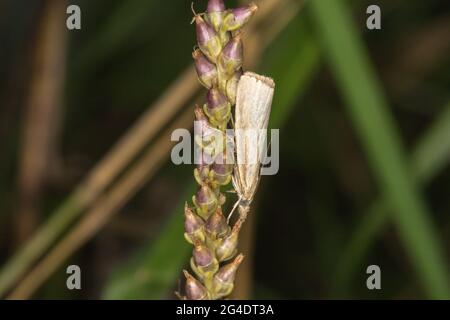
(253,105)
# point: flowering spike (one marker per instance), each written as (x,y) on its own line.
(218,62)
(238,17)
(207,39)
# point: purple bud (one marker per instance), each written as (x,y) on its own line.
(204,31)
(207,38)
(203,195)
(215,6)
(206,71)
(243,14)
(232,85)
(215,99)
(202,125)
(192,222)
(220,168)
(230,59)
(227,273)
(202,256)
(238,17)
(194,289)
(233,49)
(217,224)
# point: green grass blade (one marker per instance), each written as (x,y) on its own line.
(430,156)
(381,141)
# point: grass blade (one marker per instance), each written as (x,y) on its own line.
(428,159)
(381,140)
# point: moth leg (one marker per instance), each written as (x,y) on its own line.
(236,204)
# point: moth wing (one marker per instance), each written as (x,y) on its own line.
(253,104)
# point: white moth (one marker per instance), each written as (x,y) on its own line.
(253,104)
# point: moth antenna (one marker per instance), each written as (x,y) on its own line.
(195,13)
